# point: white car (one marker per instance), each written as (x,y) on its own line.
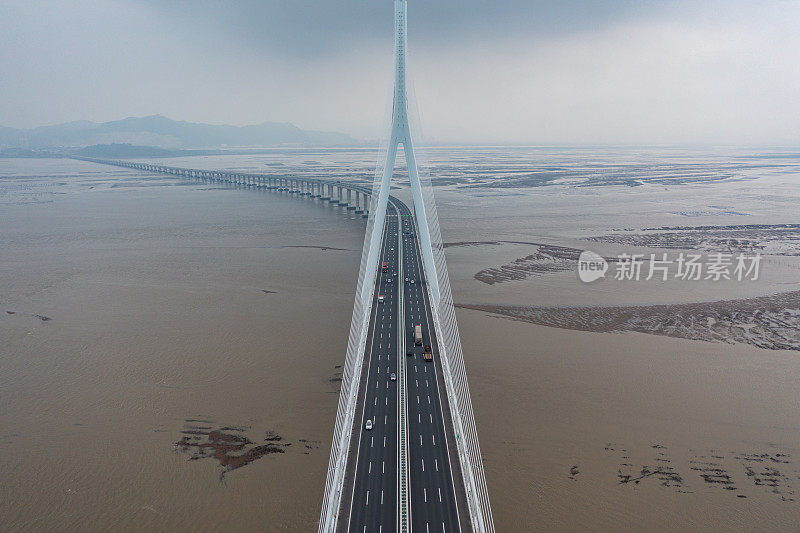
(394,377)
(369,424)
(412,281)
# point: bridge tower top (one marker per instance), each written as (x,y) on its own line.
(400,112)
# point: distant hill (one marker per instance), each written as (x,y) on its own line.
(161,132)
(127,151)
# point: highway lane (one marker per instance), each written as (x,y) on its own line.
(432,491)
(374,500)
(374,504)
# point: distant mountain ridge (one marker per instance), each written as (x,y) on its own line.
(163,132)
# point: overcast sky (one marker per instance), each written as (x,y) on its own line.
(521,71)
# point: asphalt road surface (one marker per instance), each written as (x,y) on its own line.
(374,504)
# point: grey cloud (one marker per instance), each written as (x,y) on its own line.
(309,28)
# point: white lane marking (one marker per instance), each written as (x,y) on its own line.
(383,467)
(434,439)
(440,496)
(376,400)
(385,417)
(420,440)
(425,494)
(437,461)
(419,418)
(381,497)
(367,498)
(384,442)
(370,468)
(417,399)
(429,399)
(372,442)
(423,465)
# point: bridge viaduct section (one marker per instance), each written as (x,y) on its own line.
(353,197)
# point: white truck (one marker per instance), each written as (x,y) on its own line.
(418,335)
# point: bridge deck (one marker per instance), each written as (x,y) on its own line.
(436,493)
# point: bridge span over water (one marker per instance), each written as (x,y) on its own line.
(351,196)
(405,453)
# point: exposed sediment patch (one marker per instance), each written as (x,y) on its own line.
(228,445)
(547,258)
(773,239)
(770,322)
(770,471)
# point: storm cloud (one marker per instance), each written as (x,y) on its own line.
(516,71)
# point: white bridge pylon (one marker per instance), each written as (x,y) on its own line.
(438,287)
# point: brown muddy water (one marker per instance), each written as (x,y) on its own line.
(172,306)
(169,348)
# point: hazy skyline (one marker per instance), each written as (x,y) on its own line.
(518,71)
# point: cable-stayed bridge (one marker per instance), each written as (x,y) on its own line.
(435,476)
(405,453)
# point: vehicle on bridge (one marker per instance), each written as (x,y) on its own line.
(368,425)
(385,266)
(428,354)
(418,335)
(381,298)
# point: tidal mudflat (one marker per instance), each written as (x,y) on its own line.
(175,307)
